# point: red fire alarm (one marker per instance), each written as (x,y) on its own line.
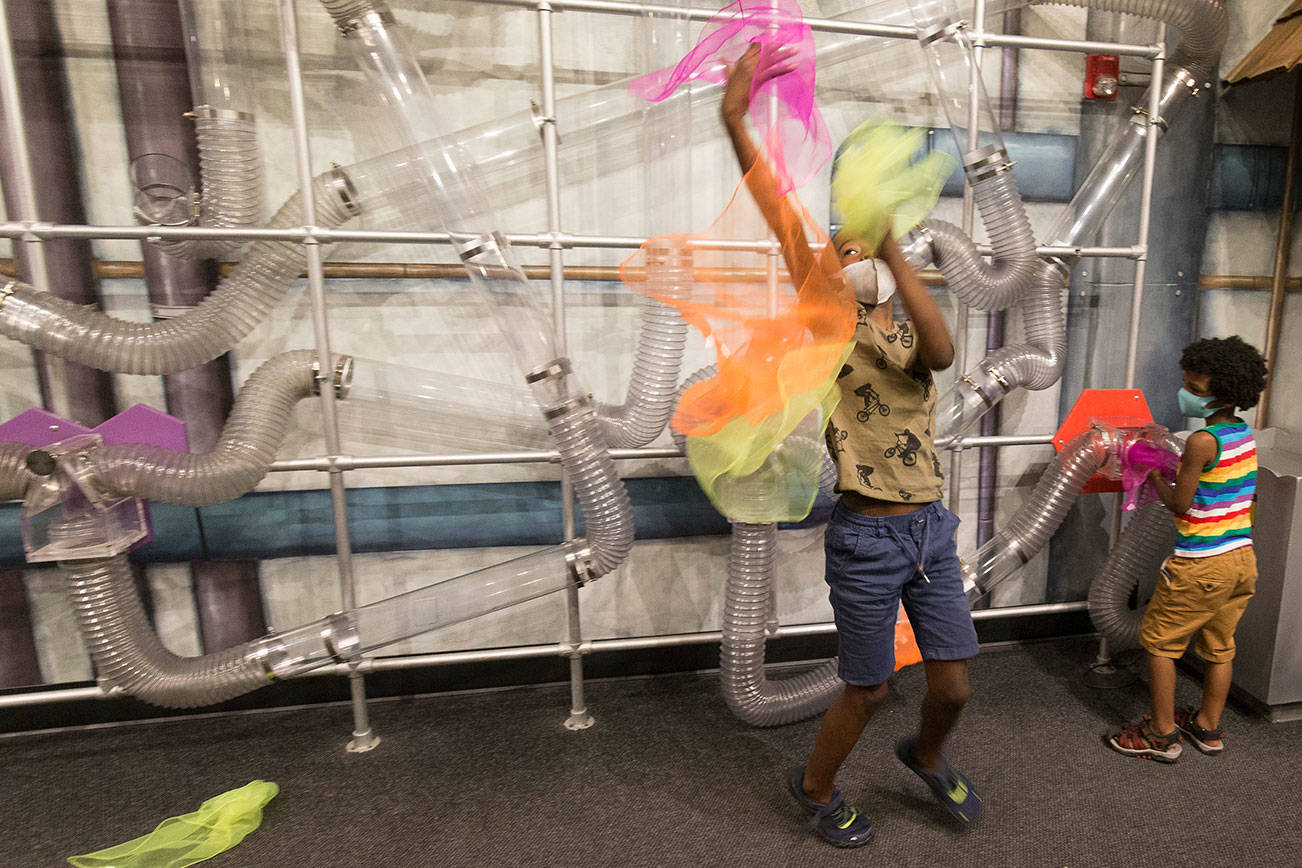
(1101,76)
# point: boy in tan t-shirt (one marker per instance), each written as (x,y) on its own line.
(889,540)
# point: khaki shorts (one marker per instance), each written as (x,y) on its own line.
(1202,597)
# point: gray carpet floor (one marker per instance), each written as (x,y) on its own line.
(668,777)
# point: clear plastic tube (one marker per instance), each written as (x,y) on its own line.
(164,190)
(442,182)
(269,268)
(403,189)
(1108,180)
(216,48)
(746,688)
(1002,282)
(951,63)
(400,407)
(471,595)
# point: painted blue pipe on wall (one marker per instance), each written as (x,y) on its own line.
(1243,178)
(400,518)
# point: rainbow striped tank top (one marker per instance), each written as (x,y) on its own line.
(1220,518)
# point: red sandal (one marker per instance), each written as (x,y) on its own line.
(1137,740)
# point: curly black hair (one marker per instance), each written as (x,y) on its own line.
(1236,371)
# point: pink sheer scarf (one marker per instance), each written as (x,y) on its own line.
(800,143)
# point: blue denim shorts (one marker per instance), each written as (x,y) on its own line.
(876,562)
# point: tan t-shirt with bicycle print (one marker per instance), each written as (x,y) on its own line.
(881,433)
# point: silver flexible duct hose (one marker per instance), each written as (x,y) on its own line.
(1030,528)
(1034,364)
(1203,25)
(269,268)
(1001,282)
(1134,561)
(746,689)
(14,475)
(653,386)
(703,374)
(345,12)
(827,476)
(231,172)
(748,597)
(1037,363)
(129,655)
(607,513)
(248,444)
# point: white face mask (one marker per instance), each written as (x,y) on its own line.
(872,284)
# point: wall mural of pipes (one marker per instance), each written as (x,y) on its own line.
(82,498)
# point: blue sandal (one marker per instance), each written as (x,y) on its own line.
(837,823)
(951,788)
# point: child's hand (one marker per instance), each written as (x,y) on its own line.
(736,93)
(758,65)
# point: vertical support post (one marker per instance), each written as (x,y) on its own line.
(579,717)
(16,131)
(1103,672)
(363,738)
(1145,211)
(1283,245)
(962,314)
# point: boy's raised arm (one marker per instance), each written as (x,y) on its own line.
(935,347)
(785,223)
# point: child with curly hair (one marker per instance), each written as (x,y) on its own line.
(1208,580)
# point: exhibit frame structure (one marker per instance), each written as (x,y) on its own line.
(27,229)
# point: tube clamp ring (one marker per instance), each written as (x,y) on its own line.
(578,402)
(986,162)
(479,245)
(262,656)
(341,378)
(379,16)
(941,31)
(553,370)
(210,113)
(10,287)
(985,399)
(1140,116)
(578,557)
(340,639)
(342,187)
(999,378)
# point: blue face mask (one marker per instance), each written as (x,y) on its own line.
(1195,407)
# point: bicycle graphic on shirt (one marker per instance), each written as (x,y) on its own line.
(906,448)
(872,403)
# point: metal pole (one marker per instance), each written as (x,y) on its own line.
(961,312)
(530,652)
(25,195)
(1283,243)
(1145,211)
(16,130)
(1103,672)
(579,717)
(363,738)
